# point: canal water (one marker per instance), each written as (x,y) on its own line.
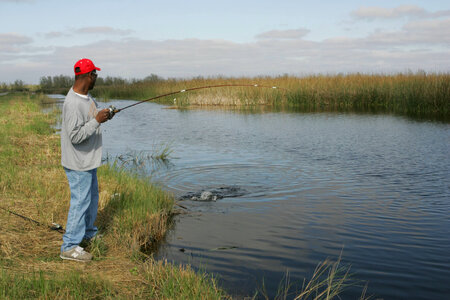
(371,189)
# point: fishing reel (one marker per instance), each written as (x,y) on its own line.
(57,227)
(112,111)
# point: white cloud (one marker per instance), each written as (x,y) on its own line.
(374,12)
(428,26)
(12,42)
(426,32)
(55,34)
(284,34)
(18,1)
(97,30)
(106,30)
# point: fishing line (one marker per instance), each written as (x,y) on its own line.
(113,110)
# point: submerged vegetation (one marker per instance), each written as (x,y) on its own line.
(134,216)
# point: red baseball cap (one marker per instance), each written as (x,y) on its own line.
(84,66)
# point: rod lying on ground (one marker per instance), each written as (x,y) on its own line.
(113,110)
(54,226)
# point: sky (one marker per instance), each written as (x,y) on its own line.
(184,39)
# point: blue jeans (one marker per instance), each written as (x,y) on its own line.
(83,207)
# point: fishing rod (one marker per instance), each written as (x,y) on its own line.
(113,110)
(54,226)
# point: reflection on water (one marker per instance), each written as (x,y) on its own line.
(373,186)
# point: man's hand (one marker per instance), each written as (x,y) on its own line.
(102,116)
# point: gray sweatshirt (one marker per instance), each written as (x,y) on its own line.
(81,136)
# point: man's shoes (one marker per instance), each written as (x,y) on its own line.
(76,254)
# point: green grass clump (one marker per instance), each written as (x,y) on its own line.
(137,213)
(38,285)
(167,281)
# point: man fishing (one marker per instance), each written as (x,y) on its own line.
(81,154)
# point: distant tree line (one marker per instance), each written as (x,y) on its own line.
(48,83)
(16,86)
(60,83)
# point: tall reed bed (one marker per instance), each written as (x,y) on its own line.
(409,94)
(412,93)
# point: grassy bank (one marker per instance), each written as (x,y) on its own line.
(133,217)
(413,93)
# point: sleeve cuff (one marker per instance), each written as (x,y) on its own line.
(95,123)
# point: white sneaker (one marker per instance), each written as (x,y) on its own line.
(76,254)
